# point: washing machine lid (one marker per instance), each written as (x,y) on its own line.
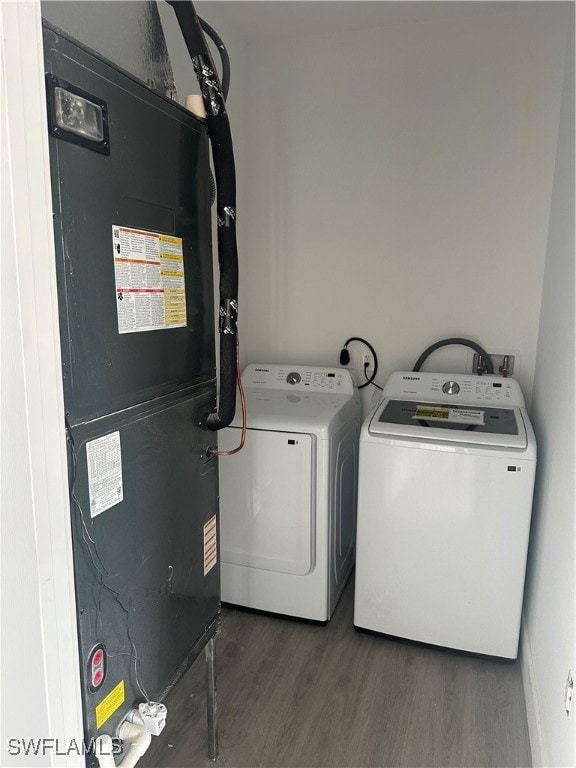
(476,424)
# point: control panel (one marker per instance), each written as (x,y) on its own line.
(298,379)
(451,387)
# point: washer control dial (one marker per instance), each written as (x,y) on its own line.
(451,388)
(293,378)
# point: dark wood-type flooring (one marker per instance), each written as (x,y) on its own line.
(292,693)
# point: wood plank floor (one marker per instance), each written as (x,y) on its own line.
(293,694)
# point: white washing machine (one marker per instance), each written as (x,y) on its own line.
(446,480)
(288,498)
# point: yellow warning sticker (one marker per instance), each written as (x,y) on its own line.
(424,412)
(172,240)
(454,415)
(110,704)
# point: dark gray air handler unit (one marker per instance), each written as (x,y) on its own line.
(131,200)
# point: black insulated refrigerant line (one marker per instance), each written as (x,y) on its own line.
(218,42)
(223,159)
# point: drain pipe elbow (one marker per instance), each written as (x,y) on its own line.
(138,738)
(103,749)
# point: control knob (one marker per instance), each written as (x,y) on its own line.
(451,388)
(293,378)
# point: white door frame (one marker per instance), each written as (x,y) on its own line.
(40,667)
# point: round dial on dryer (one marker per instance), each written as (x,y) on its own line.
(451,388)
(293,378)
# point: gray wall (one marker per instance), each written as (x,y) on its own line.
(399,186)
(550,599)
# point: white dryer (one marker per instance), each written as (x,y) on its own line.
(446,479)
(288,498)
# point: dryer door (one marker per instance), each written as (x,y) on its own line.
(266,501)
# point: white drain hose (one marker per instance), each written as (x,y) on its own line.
(137,736)
(103,750)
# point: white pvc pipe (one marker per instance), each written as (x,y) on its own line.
(195,104)
(104,752)
(138,738)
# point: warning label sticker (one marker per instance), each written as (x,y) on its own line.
(452,415)
(150,288)
(105,487)
(210,545)
(110,704)
(423,412)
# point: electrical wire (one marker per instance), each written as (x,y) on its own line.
(86,538)
(344,352)
(133,655)
(369,381)
(243,406)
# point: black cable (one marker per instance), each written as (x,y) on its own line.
(446,342)
(345,359)
(224,58)
(371,382)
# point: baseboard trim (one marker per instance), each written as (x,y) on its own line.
(537,744)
